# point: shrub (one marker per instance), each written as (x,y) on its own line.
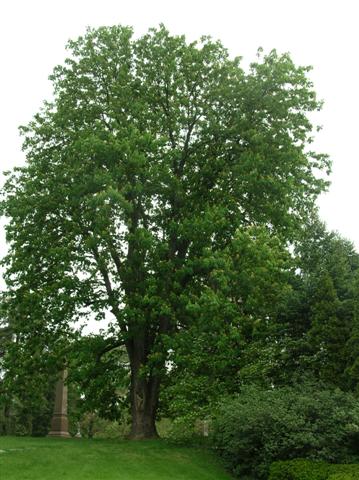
(311,470)
(187,430)
(260,426)
(299,470)
(345,476)
(93,426)
(182,431)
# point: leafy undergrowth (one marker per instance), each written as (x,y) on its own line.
(80,459)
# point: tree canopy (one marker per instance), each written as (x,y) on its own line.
(155,161)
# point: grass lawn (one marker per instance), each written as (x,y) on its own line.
(23,458)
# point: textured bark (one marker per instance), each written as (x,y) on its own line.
(144,393)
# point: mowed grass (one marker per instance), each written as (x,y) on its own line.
(79,459)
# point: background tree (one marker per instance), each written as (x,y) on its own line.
(151,157)
(314,332)
(5,341)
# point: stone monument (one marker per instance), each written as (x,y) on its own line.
(59,421)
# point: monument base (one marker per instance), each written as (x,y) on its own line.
(59,435)
(59,426)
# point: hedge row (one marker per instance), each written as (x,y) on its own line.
(262,426)
(311,470)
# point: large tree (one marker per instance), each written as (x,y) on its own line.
(152,155)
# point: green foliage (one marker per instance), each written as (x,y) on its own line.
(26,406)
(154,159)
(314,332)
(189,429)
(330,279)
(99,370)
(182,430)
(248,280)
(92,425)
(345,476)
(300,469)
(261,426)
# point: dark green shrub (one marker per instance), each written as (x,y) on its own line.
(344,476)
(344,472)
(300,469)
(261,426)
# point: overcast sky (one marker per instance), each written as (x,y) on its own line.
(322,33)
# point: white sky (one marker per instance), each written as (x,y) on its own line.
(322,33)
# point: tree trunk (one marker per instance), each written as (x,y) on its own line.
(7,420)
(144,395)
(91,425)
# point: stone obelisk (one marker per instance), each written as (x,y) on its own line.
(59,421)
